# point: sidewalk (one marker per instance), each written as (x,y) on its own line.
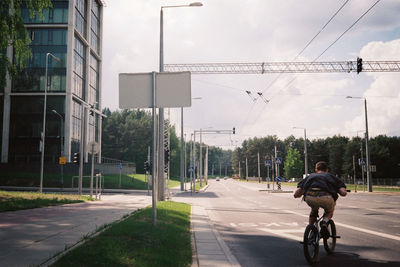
(30,237)
(211,250)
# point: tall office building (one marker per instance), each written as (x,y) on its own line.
(71,31)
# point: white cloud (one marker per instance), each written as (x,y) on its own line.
(255,31)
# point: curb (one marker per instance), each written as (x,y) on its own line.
(195,258)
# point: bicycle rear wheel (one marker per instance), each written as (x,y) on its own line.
(311,244)
(330,243)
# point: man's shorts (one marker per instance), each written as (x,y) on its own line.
(320,199)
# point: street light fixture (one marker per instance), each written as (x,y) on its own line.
(44,117)
(61,145)
(161,110)
(369,178)
(305,151)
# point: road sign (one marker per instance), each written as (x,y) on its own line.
(93,147)
(361,161)
(372,168)
(278,160)
(120,166)
(268,163)
(278,179)
(62,161)
(172,90)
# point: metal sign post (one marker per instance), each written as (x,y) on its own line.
(93,148)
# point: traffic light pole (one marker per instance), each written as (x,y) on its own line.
(81,147)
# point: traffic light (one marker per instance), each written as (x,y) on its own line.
(166,155)
(147,166)
(233,131)
(77,157)
(359,65)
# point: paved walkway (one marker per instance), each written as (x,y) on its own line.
(211,250)
(30,237)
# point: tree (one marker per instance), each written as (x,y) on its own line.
(13,34)
(293,164)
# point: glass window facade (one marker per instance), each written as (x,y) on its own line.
(56,15)
(93,81)
(79,74)
(25,137)
(32,78)
(76,126)
(80,16)
(95,27)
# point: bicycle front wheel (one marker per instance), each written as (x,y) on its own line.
(311,244)
(330,242)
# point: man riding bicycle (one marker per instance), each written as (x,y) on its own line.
(320,190)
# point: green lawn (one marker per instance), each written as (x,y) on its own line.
(111,181)
(10,201)
(135,242)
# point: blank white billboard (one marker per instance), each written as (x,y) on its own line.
(173,89)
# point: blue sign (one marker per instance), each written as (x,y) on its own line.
(268,163)
(120,166)
(190,169)
(278,160)
(361,161)
(278,179)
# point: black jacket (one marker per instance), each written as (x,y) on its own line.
(325,181)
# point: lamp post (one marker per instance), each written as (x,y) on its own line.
(44,118)
(182,149)
(161,110)
(61,145)
(369,178)
(305,150)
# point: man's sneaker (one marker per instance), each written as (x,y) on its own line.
(324,230)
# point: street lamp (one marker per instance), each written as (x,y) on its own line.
(369,178)
(61,145)
(161,110)
(44,118)
(182,153)
(305,151)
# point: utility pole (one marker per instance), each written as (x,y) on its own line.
(206,166)
(201,161)
(239,169)
(362,166)
(220,169)
(354,173)
(247,170)
(258,164)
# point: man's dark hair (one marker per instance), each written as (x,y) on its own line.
(321,166)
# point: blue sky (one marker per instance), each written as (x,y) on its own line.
(255,31)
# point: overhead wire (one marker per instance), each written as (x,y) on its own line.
(335,41)
(295,58)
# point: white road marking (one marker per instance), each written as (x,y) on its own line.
(393,237)
(284,233)
(233,225)
(269,224)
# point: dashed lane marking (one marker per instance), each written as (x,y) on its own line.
(393,237)
(287,233)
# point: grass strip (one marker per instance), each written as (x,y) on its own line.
(11,201)
(136,242)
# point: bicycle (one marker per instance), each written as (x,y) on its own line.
(312,237)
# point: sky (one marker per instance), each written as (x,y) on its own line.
(263,31)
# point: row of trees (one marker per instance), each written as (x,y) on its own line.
(338,151)
(127,134)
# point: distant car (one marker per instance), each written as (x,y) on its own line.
(217,179)
(225,178)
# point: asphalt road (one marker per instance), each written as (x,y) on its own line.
(264,229)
